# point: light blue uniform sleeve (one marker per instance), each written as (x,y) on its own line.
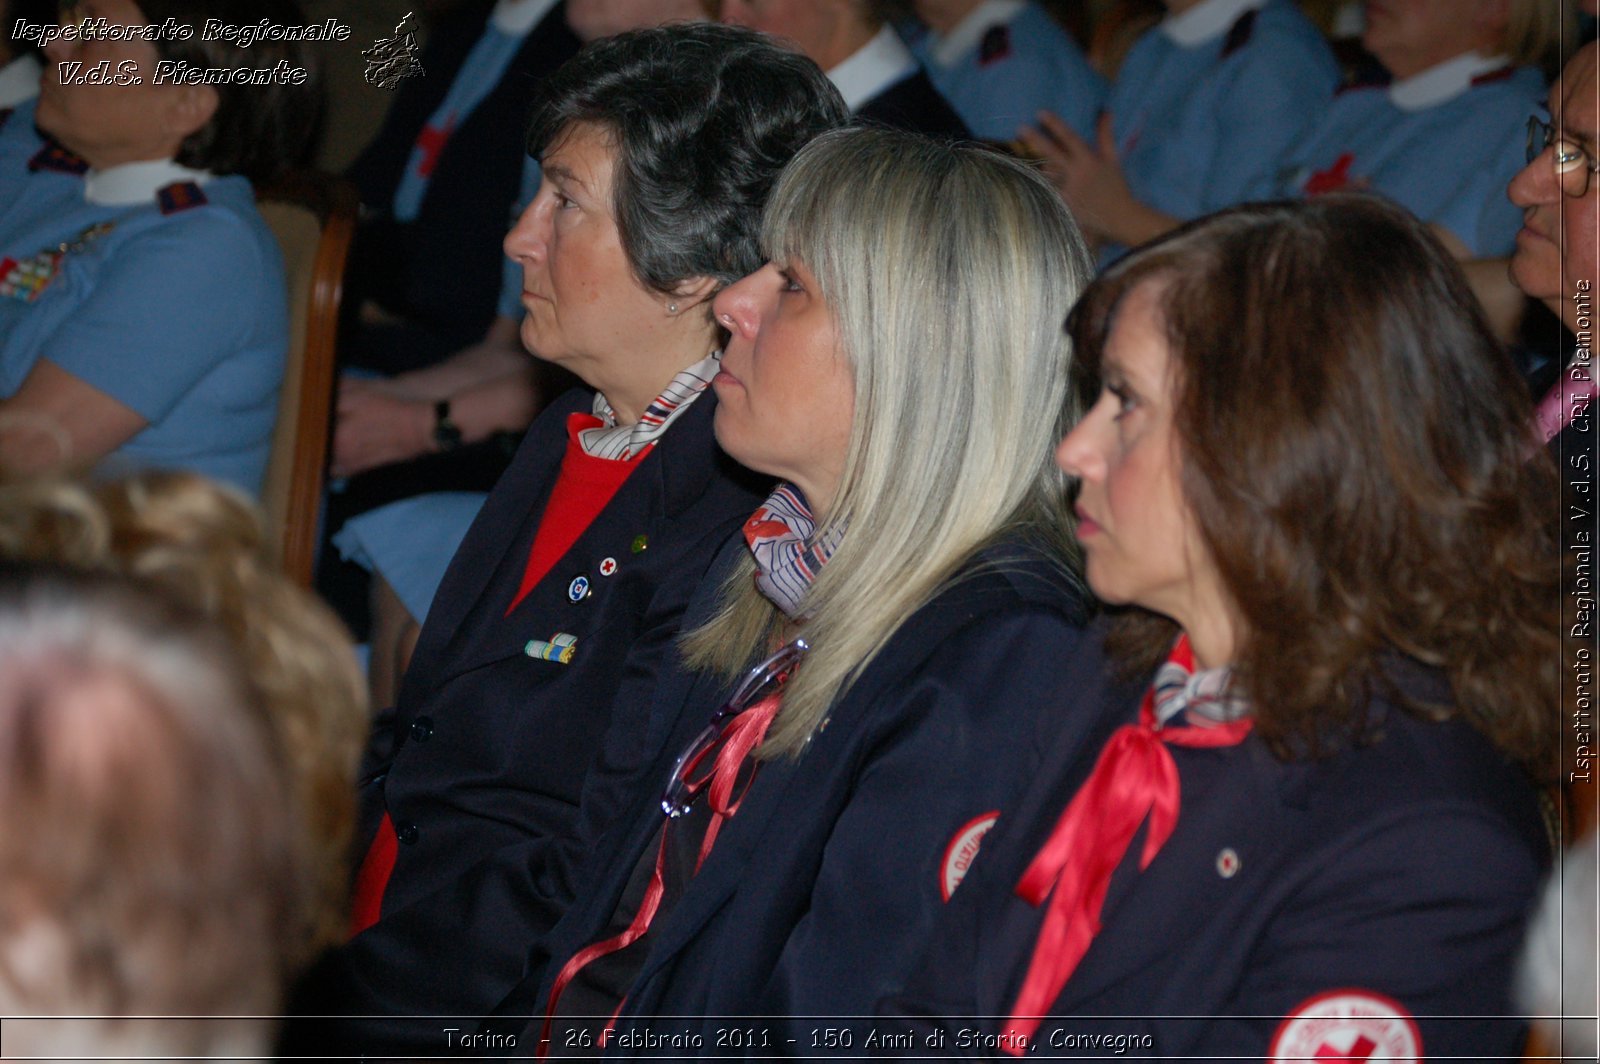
(510,304)
(1479,212)
(164,311)
(1040,69)
(1273,97)
(1048,71)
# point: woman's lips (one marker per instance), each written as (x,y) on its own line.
(1087,526)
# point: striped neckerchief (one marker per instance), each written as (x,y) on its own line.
(622,442)
(1204,695)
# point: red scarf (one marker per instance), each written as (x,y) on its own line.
(1135,777)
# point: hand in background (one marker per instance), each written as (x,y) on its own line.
(378,422)
(1091,182)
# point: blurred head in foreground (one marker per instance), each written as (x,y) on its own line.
(146,866)
(203,546)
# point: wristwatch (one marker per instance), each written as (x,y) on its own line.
(446,433)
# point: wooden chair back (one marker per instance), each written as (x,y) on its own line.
(313,216)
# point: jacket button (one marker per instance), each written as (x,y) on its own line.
(407,834)
(422,729)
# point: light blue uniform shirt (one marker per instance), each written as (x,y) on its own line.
(1443,144)
(1006,62)
(1209,103)
(181,316)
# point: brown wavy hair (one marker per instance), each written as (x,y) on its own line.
(1356,453)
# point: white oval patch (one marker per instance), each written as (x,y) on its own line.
(1348,1025)
(958,856)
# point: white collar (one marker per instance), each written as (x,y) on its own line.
(515,18)
(1442,81)
(966,34)
(872,68)
(1205,20)
(131,183)
(19,80)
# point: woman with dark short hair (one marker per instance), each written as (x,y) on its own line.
(142,307)
(1308,828)
(658,149)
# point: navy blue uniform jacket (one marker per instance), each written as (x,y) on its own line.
(912,103)
(482,766)
(1403,869)
(821,890)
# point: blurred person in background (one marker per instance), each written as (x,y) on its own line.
(1557,261)
(1001,62)
(143,315)
(863,56)
(1441,126)
(1205,108)
(21,64)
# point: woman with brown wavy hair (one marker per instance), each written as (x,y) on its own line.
(1311,827)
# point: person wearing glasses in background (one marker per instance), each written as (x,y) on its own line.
(1308,827)
(900,365)
(1557,261)
(1558,246)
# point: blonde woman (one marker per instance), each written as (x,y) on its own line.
(856,699)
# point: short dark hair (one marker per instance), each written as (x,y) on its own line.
(1356,451)
(258,130)
(704,117)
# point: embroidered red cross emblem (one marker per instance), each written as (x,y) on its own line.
(1333,178)
(1362,1050)
(432,141)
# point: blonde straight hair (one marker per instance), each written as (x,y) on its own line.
(949,270)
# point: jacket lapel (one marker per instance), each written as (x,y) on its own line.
(499,538)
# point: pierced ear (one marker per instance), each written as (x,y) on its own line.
(191,111)
(694,291)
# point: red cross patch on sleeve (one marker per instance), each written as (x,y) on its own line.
(962,850)
(1354,1026)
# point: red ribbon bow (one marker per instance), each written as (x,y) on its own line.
(1134,777)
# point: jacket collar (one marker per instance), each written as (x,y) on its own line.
(135,183)
(1442,82)
(875,66)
